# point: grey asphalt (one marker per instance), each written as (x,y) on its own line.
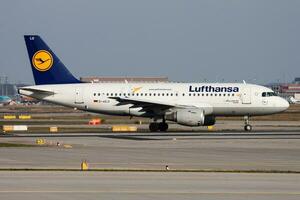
(226,151)
(181,150)
(147,185)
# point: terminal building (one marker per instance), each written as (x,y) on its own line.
(287,89)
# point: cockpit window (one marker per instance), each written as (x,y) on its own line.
(268,94)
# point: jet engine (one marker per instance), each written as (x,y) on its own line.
(191,117)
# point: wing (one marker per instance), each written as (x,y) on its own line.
(153,107)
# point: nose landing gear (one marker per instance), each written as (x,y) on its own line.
(247,126)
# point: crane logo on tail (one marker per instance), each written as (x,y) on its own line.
(42,60)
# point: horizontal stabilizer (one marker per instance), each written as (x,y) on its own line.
(37,91)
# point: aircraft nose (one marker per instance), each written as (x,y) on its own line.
(284,104)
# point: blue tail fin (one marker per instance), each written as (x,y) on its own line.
(46,66)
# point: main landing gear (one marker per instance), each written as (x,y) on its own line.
(247,126)
(162,126)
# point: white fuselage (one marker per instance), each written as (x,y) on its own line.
(218,99)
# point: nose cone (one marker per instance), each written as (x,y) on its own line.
(284,104)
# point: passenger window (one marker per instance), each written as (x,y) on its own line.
(206,94)
(190,94)
(163,94)
(141,94)
(176,94)
(216,94)
(232,95)
(263,94)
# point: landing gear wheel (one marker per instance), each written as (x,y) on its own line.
(163,126)
(153,127)
(248,127)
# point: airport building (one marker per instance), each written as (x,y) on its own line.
(7,89)
(287,89)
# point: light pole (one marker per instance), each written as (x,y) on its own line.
(6,82)
(1,85)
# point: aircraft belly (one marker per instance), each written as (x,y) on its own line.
(243,110)
(108,109)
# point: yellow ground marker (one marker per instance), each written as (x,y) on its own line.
(24,116)
(40,141)
(9,116)
(53,129)
(124,128)
(84,166)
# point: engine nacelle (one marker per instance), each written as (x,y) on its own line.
(191,117)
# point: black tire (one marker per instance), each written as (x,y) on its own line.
(163,127)
(248,128)
(153,127)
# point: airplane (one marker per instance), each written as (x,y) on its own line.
(294,101)
(189,104)
(5,100)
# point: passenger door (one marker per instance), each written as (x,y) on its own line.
(79,96)
(246,95)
